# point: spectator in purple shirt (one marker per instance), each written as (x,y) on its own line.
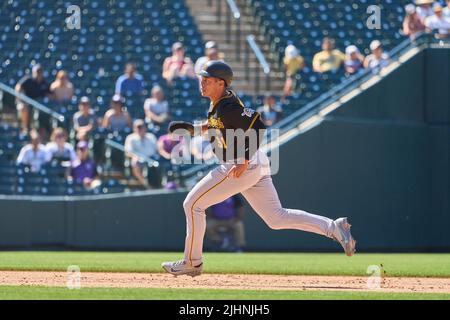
(168,142)
(84,169)
(227,216)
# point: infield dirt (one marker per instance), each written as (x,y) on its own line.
(226,281)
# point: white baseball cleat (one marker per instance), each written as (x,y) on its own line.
(344,237)
(179,268)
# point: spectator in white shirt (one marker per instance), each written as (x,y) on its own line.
(139,147)
(156,108)
(202,149)
(34,154)
(58,149)
(438,22)
(378,59)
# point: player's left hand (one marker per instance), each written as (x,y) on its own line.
(238,170)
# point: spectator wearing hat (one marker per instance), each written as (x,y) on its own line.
(84,169)
(378,59)
(270,112)
(140,146)
(438,22)
(84,121)
(293,63)
(211,53)
(130,82)
(424,9)
(177,65)
(116,119)
(354,60)
(34,87)
(412,24)
(61,89)
(156,107)
(34,154)
(58,147)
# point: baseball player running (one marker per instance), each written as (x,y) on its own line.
(250,176)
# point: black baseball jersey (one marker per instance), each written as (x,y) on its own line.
(227,116)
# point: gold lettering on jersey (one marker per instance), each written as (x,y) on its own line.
(215,123)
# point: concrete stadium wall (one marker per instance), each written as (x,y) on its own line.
(382,160)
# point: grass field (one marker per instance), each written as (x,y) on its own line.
(398,265)
(45,293)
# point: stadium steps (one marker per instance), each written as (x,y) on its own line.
(206,20)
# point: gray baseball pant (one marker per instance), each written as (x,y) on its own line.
(256,186)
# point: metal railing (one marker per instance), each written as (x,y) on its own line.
(262,63)
(38,107)
(249,44)
(234,14)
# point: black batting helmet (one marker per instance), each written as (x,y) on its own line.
(218,69)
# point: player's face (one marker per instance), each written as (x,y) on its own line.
(210,87)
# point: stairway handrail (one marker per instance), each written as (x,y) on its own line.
(258,53)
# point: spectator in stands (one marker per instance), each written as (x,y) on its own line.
(167,144)
(446,10)
(354,60)
(438,22)
(84,169)
(59,149)
(378,59)
(226,216)
(116,119)
(34,87)
(329,59)
(202,149)
(424,9)
(61,89)
(293,63)
(139,146)
(211,53)
(84,121)
(156,108)
(130,82)
(177,65)
(270,112)
(412,24)
(173,151)
(34,154)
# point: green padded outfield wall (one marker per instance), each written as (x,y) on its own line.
(382,160)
